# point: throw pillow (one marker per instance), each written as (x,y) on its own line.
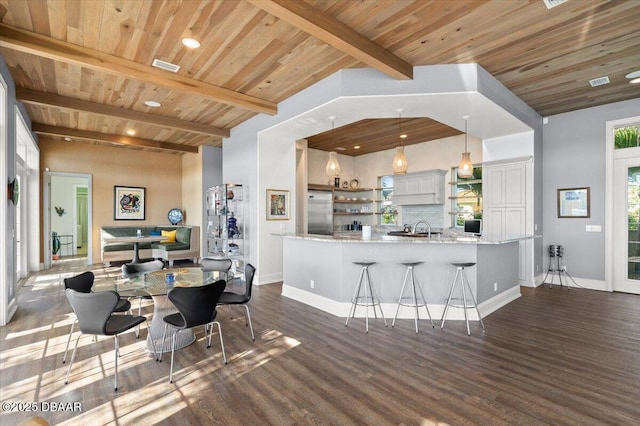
(183,235)
(170,236)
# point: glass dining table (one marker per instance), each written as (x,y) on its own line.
(157,284)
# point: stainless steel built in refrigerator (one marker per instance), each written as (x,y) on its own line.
(320,212)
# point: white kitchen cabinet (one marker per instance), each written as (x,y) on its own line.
(419,188)
(504,220)
(508,207)
(505,185)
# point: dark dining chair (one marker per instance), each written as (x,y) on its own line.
(196,306)
(229,298)
(94,312)
(83,283)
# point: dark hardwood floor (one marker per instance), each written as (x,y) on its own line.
(551,357)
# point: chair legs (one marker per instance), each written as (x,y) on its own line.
(66,349)
(417,298)
(116,356)
(369,299)
(464,286)
(208,331)
(247,319)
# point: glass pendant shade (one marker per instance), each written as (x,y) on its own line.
(333,167)
(465,168)
(400,165)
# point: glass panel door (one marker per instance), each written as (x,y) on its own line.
(626,232)
(633,223)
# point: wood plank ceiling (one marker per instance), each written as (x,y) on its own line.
(83,68)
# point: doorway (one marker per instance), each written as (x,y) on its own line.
(81,210)
(67,217)
(627,225)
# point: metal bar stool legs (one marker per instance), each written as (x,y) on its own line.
(472,304)
(369,298)
(410,276)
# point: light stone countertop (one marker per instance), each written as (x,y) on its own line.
(394,239)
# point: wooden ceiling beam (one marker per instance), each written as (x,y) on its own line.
(328,29)
(43,129)
(57,50)
(52,100)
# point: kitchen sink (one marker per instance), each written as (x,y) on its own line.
(412,234)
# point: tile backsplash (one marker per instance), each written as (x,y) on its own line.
(432,213)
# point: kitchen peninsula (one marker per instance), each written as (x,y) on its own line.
(319,270)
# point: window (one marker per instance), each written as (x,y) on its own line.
(627,137)
(466,197)
(386,211)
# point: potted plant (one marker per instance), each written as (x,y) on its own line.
(55,246)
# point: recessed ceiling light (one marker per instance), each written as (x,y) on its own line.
(403,136)
(635,80)
(191,43)
(356,147)
(68,139)
(340,148)
(131,132)
(634,74)
(152,104)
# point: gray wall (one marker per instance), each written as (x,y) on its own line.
(574,156)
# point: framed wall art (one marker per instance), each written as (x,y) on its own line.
(574,202)
(277,204)
(128,203)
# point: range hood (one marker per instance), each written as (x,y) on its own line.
(419,188)
(417,199)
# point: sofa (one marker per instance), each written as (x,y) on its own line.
(185,247)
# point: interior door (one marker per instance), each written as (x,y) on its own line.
(626,276)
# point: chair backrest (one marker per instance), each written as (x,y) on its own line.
(249,274)
(197,305)
(129,269)
(92,309)
(220,265)
(81,283)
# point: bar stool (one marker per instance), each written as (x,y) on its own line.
(414,296)
(369,298)
(465,305)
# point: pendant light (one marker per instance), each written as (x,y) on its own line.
(465,168)
(400,165)
(333,167)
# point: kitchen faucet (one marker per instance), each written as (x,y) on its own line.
(423,222)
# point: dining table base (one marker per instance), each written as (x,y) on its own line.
(162,307)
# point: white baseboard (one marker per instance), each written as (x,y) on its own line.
(11,310)
(587,283)
(268,278)
(341,309)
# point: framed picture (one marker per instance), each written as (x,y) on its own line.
(277,204)
(574,202)
(128,203)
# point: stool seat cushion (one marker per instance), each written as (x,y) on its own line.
(463,264)
(365,263)
(411,263)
